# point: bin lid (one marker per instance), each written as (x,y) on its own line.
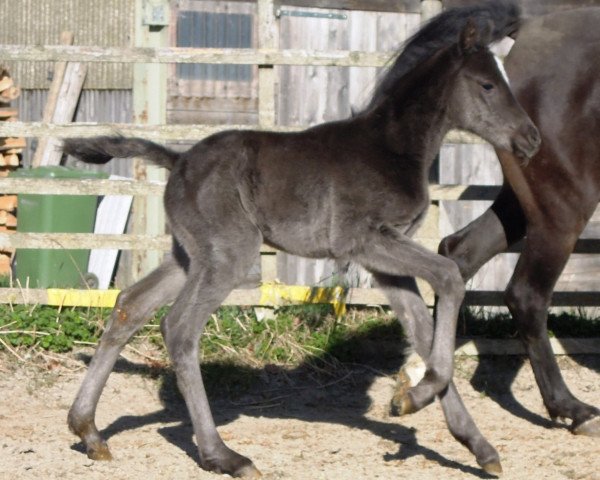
(57,171)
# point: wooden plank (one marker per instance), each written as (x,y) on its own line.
(463,192)
(534,7)
(397,6)
(7,112)
(84,241)
(158,132)
(268,38)
(233,56)
(69,93)
(8,202)
(66,38)
(12,143)
(149,107)
(80,186)
(491,346)
(12,239)
(559,299)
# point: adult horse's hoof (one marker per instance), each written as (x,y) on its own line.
(492,468)
(99,452)
(591,428)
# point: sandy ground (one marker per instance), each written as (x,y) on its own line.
(293,424)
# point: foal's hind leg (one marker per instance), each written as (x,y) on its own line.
(211,277)
(133,308)
(412,312)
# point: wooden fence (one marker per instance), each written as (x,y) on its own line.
(268,55)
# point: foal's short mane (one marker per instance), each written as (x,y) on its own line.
(501,17)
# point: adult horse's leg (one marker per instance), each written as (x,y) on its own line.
(500,226)
(133,308)
(391,253)
(546,252)
(417,322)
(215,269)
(528,297)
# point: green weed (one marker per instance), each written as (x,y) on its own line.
(294,334)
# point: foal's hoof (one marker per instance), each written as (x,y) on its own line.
(591,428)
(492,468)
(233,464)
(403,385)
(99,452)
(402,405)
(248,471)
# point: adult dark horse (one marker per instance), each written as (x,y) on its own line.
(555,74)
(350,190)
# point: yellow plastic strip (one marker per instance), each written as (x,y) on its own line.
(276,295)
(271,294)
(82,298)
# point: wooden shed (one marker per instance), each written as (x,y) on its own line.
(228,94)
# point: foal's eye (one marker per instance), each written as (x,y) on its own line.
(487,86)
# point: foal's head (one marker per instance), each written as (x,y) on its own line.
(482,102)
(446,70)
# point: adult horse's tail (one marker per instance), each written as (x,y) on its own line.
(103,149)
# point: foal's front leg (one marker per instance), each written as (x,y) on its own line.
(393,254)
(417,322)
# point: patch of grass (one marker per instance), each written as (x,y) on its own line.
(50,328)
(293,335)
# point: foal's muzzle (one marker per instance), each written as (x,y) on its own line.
(526,143)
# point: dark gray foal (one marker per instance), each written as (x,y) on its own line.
(350,190)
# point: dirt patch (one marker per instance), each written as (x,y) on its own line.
(293,424)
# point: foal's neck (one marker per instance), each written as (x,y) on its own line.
(413,117)
(415,131)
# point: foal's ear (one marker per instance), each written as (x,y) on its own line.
(469,37)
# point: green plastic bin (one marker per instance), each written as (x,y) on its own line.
(54,268)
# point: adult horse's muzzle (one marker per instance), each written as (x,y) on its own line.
(526,143)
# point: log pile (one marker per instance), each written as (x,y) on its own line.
(11,150)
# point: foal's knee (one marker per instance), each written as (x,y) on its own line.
(450,282)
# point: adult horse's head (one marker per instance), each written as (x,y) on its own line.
(482,102)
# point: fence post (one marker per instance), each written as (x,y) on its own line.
(149,107)
(431,226)
(268,38)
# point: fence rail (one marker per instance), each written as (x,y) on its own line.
(230,56)
(269,294)
(160,132)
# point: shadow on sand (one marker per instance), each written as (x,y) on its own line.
(315,391)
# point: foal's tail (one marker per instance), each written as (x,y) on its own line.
(103,149)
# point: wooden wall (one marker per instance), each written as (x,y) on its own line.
(534,7)
(312,95)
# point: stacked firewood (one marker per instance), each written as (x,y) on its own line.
(11,150)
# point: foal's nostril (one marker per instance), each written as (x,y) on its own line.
(534,136)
